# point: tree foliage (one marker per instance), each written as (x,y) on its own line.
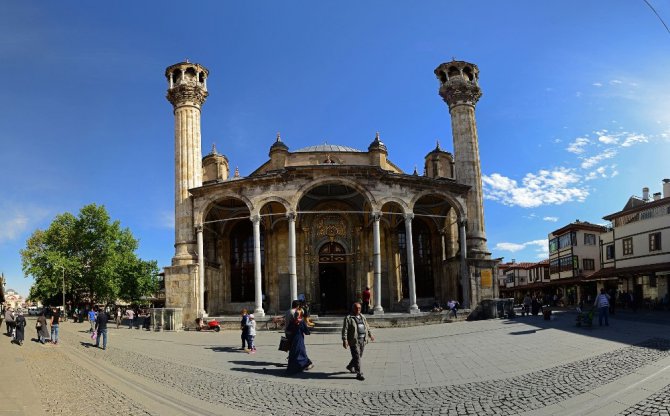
(96,255)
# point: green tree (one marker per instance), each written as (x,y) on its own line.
(96,256)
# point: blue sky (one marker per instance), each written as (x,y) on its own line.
(575,116)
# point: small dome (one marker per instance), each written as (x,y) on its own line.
(278,144)
(377,144)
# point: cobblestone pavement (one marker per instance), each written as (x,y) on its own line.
(528,367)
(656,404)
(66,388)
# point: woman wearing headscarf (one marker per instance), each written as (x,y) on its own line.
(42,328)
(297,356)
(20,328)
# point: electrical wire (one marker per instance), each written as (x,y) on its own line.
(657,15)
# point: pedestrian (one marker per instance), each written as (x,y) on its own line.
(91,319)
(527,301)
(118,317)
(453,307)
(9,321)
(101,329)
(42,328)
(55,318)
(130,314)
(603,304)
(297,356)
(244,328)
(20,323)
(366,300)
(355,334)
(251,334)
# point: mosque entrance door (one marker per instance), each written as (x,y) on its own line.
(333,278)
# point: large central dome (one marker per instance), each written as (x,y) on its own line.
(328,148)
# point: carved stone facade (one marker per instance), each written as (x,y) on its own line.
(324,222)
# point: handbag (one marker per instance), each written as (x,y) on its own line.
(94,335)
(284,344)
(38,325)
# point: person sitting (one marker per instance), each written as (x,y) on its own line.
(436,306)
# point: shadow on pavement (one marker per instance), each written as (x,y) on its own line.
(257,363)
(225,349)
(305,375)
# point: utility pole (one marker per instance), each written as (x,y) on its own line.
(64,313)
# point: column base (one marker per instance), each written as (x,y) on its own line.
(414,309)
(259,313)
(378,310)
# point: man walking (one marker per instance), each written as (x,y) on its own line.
(9,320)
(101,328)
(366,299)
(91,319)
(355,334)
(603,304)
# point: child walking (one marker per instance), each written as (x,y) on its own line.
(251,334)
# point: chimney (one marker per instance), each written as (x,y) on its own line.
(645,194)
(657,196)
(666,188)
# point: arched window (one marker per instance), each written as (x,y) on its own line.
(423,253)
(242,288)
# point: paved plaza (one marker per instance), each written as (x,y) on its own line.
(526,366)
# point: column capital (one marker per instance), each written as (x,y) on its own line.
(462,222)
(291,216)
(409,216)
(376,215)
(255,219)
(199,228)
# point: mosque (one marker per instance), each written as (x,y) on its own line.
(324,222)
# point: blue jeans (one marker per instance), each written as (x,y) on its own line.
(603,312)
(54,333)
(101,333)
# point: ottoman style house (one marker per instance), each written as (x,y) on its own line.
(326,221)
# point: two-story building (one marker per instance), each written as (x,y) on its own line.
(633,256)
(574,254)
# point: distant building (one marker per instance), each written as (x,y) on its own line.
(526,277)
(13,299)
(635,250)
(574,254)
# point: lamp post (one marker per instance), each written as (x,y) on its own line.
(64,313)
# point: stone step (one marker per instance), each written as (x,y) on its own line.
(327,327)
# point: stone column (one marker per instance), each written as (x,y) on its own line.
(465,271)
(187,97)
(459,88)
(413,308)
(201,273)
(291,257)
(258,284)
(377,262)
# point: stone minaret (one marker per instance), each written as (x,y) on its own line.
(459,88)
(187,91)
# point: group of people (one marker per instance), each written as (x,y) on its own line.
(16,325)
(356,333)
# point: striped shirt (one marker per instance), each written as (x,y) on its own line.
(602,300)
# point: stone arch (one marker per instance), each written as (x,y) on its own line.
(454,202)
(404,206)
(207,203)
(306,188)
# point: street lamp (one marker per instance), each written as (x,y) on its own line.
(64,314)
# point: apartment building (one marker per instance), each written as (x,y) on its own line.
(517,279)
(635,250)
(574,253)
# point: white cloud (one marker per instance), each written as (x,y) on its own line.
(597,84)
(541,247)
(577,147)
(592,161)
(543,188)
(550,219)
(15,222)
(513,247)
(608,139)
(633,138)
(615,82)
